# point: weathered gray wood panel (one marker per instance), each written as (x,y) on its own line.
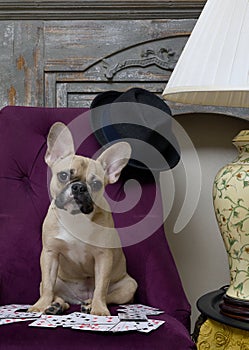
(93,46)
(21,70)
(63,53)
(66,63)
(102,9)
(90,57)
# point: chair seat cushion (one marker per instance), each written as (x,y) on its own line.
(171,335)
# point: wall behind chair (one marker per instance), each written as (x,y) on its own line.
(198,248)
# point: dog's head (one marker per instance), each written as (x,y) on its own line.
(78,182)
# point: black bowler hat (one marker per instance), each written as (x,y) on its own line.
(140,118)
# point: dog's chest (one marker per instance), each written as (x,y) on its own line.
(73,248)
(65,236)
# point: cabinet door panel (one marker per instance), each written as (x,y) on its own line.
(85,58)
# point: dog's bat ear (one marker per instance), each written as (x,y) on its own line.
(114,159)
(60,143)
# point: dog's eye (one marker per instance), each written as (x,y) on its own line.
(63,176)
(96,185)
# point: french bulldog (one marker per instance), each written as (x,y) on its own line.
(82,261)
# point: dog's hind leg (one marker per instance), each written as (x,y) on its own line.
(57,307)
(122,292)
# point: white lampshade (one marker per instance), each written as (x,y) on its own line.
(213,68)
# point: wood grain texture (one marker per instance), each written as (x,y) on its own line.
(66,63)
(21,70)
(104,9)
(144,55)
(63,53)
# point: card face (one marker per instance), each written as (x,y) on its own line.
(104,319)
(149,326)
(125,327)
(42,322)
(78,318)
(93,327)
(119,327)
(133,316)
(17,311)
(5,321)
(147,310)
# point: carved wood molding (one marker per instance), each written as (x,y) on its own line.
(106,9)
(164,59)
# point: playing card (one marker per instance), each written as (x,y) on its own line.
(147,310)
(132,316)
(75,318)
(78,318)
(149,326)
(42,322)
(13,307)
(17,311)
(94,327)
(5,321)
(124,327)
(56,320)
(21,315)
(105,319)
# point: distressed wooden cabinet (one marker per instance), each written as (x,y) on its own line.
(56,53)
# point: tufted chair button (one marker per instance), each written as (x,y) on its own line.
(26,180)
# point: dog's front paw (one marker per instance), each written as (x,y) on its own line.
(54,309)
(40,305)
(33,309)
(100,310)
(86,306)
(37,308)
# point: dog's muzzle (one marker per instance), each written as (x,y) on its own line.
(77,197)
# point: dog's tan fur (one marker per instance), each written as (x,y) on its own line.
(82,257)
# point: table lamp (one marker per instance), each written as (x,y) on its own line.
(213,70)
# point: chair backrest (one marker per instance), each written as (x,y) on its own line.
(25,199)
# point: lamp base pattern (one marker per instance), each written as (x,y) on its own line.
(217,336)
(231,204)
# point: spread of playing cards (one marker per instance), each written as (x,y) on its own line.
(131,317)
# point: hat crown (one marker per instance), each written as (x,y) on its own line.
(144,120)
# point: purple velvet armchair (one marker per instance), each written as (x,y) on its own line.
(23,205)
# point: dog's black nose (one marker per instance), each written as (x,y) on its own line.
(78,188)
(82,198)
